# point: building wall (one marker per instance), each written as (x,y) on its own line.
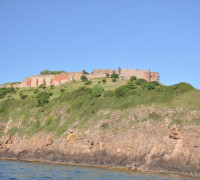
(37,80)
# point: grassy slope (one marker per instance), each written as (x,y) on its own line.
(78,110)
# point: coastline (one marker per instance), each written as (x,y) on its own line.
(12,157)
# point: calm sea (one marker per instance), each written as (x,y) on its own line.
(27,170)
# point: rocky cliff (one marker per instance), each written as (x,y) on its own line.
(151,130)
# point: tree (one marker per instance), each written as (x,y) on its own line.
(104,81)
(114,79)
(36,91)
(88,82)
(114,75)
(62,90)
(43,86)
(45,72)
(133,78)
(121,91)
(131,85)
(84,78)
(97,90)
(107,75)
(140,81)
(42,98)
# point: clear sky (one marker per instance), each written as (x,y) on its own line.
(71,35)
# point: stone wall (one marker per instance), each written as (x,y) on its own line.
(56,79)
(148,75)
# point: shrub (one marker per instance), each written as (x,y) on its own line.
(140,81)
(99,82)
(107,75)
(114,79)
(97,91)
(50,94)
(42,86)
(88,82)
(131,85)
(114,75)
(104,81)
(84,78)
(155,83)
(45,72)
(120,91)
(36,91)
(23,96)
(52,86)
(109,93)
(133,78)
(62,90)
(42,98)
(48,121)
(4,91)
(149,86)
(84,89)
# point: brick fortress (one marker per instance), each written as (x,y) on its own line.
(56,79)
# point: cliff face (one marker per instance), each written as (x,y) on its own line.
(115,124)
(142,138)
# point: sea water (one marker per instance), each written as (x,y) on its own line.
(28,170)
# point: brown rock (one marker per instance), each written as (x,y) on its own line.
(175,134)
(49,141)
(9,140)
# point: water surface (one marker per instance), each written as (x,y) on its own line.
(13,170)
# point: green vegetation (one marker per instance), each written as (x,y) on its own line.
(84,78)
(133,78)
(114,75)
(104,81)
(74,104)
(140,81)
(114,79)
(88,82)
(47,72)
(5,91)
(107,75)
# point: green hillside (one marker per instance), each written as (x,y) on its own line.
(75,105)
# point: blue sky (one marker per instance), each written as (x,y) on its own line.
(71,35)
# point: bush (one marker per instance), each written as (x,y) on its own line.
(107,75)
(97,91)
(99,82)
(131,85)
(47,72)
(84,89)
(84,78)
(109,93)
(4,91)
(133,78)
(114,80)
(121,91)
(42,86)
(114,75)
(88,82)
(62,90)
(42,98)
(23,96)
(104,81)
(52,86)
(36,91)
(150,85)
(155,83)
(140,81)
(48,121)
(50,94)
